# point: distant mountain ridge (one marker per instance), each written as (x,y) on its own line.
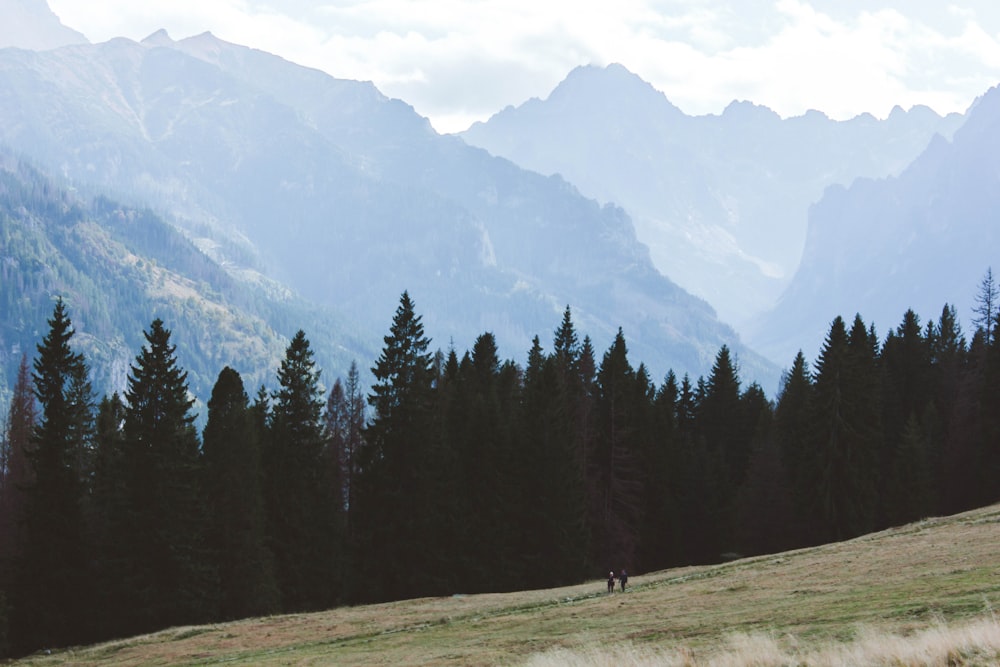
(349,198)
(918,240)
(30,24)
(721,200)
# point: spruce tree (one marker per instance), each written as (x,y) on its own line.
(356,419)
(16,476)
(792,436)
(662,459)
(619,457)
(235,501)
(112,518)
(554,537)
(15,468)
(52,595)
(842,472)
(168,572)
(397,468)
(303,514)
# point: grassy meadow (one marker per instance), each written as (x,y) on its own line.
(922,594)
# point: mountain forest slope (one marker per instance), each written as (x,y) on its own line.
(348,198)
(887,587)
(118,268)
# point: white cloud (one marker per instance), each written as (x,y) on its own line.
(460,60)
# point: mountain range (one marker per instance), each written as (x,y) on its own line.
(721,200)
(282,175)
(314,202)
(919,240)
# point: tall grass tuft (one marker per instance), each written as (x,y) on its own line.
(975,643)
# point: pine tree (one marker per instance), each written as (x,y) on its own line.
(52,595)
(396,469)
(168,573)
(554,536)
(906,394)
(986,308)
(661,521)
(304,521)
(112,517)
(16,473)
(619,457)
(356,419)
(845,421)
(792,436)
(234,496)
(727,443)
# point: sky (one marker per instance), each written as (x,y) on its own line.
(459,61)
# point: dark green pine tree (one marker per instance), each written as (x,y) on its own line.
(906,395)
(52,597)
(396,489)
(764,510)
(988,454)
(952,399)
(15,470)
(553,516)
(168,574)
(727,443)
(112,516)
(235,500)
(303,512)
(619,458)
(792,434)
(719,422)
(845,419)
(661,521)
(344,420)
(482,438)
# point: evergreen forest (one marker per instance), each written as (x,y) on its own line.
(461,472)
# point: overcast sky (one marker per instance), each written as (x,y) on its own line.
(457,61)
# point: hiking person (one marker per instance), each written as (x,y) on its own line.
(622,578)
(611,581)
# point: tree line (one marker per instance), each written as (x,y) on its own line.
(463,473)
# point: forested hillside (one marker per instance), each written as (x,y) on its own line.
(117,268)
(346,197)
(463,472)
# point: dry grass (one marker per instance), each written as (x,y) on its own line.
(972,643)
(901,597)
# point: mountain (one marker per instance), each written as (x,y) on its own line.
(30,24)
(117,268)
(349,198)
(721,200)
(918,240)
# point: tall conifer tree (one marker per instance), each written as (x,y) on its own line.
(51,598)
(234,496)
(169,572)
(397,467)
(302,496)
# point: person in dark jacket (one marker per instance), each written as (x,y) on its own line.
(622,578)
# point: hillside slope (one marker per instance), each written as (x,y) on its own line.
(117,268)
(900,580)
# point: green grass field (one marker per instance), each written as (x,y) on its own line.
(921,594)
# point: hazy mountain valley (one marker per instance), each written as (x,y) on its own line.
(269,343)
